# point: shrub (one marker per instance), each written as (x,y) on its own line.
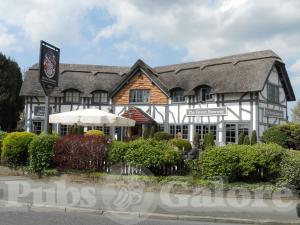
(208,141)
(243,162)
(82,152)
(290,170)
(161,135)
(241,138)
(246,140)
(41,152)
(94,132)
(15,148)
(76,130)
(117,151)
(292,131)
(181,144)
(275,135)
(151,153)
(2,136)
(253,138)
(197,138)
(193,167)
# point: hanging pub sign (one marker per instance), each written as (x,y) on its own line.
(49,67)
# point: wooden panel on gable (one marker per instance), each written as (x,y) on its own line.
(140,81)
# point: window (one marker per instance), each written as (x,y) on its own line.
(72,96)
(177,95)
(139,96)
(100,97)
(203,94)
(230,133)
(63,130)
(273,93)
(37,127)
(204,129)
(177,130)
(243,128)
(106,130)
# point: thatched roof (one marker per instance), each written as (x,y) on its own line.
(238,73)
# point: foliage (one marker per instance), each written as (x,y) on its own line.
(290,170)
(15,148)
(208,141)
(2,136)
(243,162)
(193,167)
(161,135)
(181,144)
(241,138)
(94,132)
(151,153)
(41,152)
(275,135)
(146,133)
(11,104)
(83,152)
(246,140)
(117,151)
(197,138)
(253,137)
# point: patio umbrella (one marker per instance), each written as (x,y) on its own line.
(91,117)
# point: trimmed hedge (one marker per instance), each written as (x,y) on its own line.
(290,170)
(151,154)
(181,144)
(41,152)
(15,148)
(117,151)
(246,140)
(82,152)
(161,135)
(253,137)
(241,138)
(94,132)
(243,162)
(2,136)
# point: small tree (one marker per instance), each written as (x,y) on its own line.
(241,138)
(197,138)
(253,138)
(296,112)
(246,140)
(208,141)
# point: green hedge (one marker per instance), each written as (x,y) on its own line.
(181,144)
(275,135)
(208,141)
(161,135)
(15,148)
(117,151)
(41,152)
(2,136)
(290,170)
(151,153)
(243,162)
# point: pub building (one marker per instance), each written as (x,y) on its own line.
(224,96)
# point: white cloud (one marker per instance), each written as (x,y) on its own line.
(209,28)
(54,20)
(7,40)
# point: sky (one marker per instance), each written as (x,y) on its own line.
(161,32)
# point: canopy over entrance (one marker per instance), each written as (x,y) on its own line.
(91,117)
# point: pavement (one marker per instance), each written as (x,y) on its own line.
(131,199)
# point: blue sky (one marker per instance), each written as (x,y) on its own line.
(115,32)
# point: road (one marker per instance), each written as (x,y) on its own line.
(15,216)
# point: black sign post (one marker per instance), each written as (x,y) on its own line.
(49,72)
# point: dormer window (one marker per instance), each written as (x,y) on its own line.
(72,96)
(177,95)
(100,97)
(204,94)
